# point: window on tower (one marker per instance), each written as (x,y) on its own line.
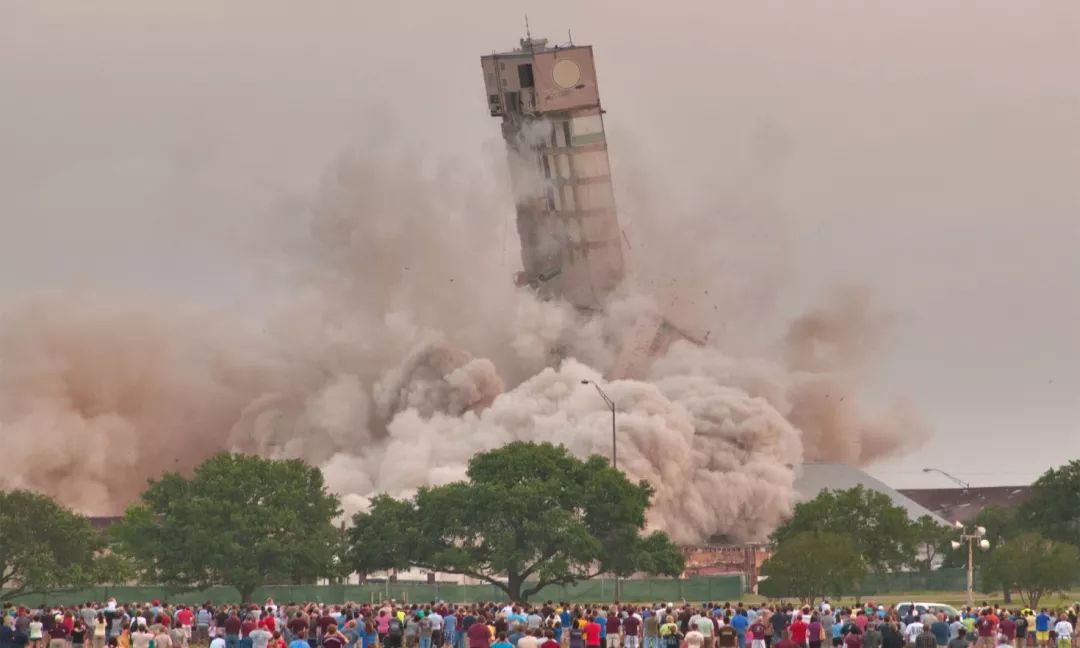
(525,75)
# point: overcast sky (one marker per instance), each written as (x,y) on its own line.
(931,152)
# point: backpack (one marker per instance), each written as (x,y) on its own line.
(395,627)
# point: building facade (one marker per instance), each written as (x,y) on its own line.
(552,121)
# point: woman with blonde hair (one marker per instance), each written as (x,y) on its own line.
(669,633)
(98,638)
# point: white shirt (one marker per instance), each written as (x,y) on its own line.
(527,642)
(217,642)
(1063,629)
(436,621)
(695,639)
(260,637)
(913,630)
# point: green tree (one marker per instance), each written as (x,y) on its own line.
(530,515)
(812,564)
(1054,508)
(45,547)
(1033,566)
(931,541)
(239,520)
(883,534)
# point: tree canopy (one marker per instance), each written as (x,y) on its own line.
(812,564)
(239,520)
(1033,566)
(530,515)
(882,533)
(1054,508)
(931,541)
(44,546)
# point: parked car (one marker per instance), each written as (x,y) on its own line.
(922,607)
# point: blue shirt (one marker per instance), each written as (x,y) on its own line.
(740,623)
(1042,623)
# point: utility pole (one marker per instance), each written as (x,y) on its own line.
(611,405)
(977,535)
(614,454)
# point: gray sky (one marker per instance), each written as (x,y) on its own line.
(934,156)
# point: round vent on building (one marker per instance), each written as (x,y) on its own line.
(566,73)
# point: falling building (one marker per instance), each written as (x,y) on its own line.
(571,241)
(553,124)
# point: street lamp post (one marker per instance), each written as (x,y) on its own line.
(611,405)
(976,536)
(960,482)
(614,455)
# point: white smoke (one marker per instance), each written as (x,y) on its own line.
(402,350)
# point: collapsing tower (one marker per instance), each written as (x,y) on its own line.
(571,243)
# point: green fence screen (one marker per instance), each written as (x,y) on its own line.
(938,580)
(710,588)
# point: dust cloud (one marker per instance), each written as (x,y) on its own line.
(404,350)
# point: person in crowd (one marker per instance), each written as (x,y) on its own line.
(926,638)
(961,640)
(141,638)
(785,640)
(670,634)
(1064,631)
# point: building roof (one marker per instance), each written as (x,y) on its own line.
(812,478)
(963,504)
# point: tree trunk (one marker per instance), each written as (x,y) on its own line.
(246,592)
(513,587)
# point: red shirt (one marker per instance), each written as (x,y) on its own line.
(246,627)
(613,625)
(798,630)
(592,634)
(325,622)
(185,617)
(550,643)
(479,635)
(631,625)
(1008,628)
(232,625)
(784,643)
(268,623)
